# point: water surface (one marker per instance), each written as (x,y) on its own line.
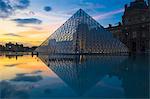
(74,76)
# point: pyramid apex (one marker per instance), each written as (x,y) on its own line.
(81,10)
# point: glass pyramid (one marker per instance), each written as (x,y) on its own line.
(81,34)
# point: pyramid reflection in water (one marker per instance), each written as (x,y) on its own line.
(81,34)
(81,72)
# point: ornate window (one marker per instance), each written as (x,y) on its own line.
(134,34)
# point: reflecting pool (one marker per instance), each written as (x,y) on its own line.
(74,76)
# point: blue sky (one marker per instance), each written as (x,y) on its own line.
(65,8)
(31,21)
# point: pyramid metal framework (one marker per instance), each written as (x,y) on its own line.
(81,34)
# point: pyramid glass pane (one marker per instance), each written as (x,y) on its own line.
(81,34)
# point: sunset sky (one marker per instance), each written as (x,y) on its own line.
(31,21)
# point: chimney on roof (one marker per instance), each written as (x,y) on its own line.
(125,6)
(110,25)
(119,23)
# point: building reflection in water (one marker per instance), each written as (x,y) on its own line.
(82,73)
(13,56)
(134,74)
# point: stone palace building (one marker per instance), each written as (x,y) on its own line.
(134,30)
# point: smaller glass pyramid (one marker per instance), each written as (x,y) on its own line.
(81,34)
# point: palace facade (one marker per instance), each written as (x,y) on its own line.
(134,30)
